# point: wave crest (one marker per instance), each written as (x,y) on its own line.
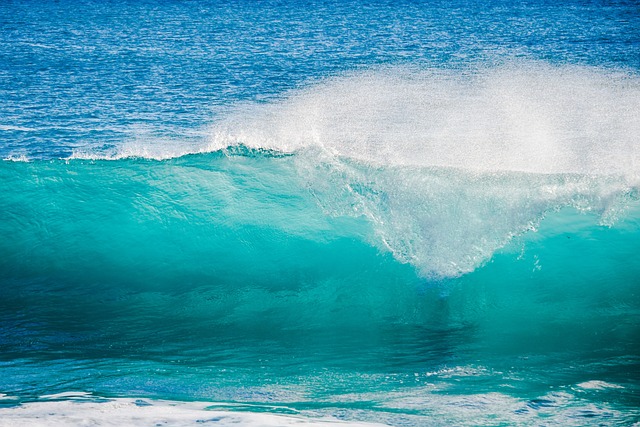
(529,117)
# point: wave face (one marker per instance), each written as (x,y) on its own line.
(268,213)
(251,276)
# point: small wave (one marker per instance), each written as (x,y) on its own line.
(68,395)
(17,158)
(6,397)
(161,152)
(8,128)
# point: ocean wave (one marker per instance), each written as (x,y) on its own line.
(440,168)
(445,222)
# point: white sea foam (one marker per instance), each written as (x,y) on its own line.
(4,396)
(459,371)
(8,128)
(449,166)
(17,157)
(448,222)
(417,406)
(139,412)
(598,385)
(75,395)
(433,407)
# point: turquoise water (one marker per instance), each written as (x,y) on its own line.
(404,213)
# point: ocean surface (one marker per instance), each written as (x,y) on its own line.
(272,213)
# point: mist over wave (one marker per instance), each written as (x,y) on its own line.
(519,116)
(530,117)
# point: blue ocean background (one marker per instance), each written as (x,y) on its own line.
(409,213)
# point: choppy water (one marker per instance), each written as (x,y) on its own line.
(403,213)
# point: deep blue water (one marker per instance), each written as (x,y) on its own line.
(414,213)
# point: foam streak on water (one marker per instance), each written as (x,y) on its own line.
(122,412)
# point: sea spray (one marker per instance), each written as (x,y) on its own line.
(403,212)
(522,116)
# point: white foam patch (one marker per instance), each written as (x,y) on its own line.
(143,143)
(434,407)
(68,395)
(152,413)
(598,385)
(5,397)
(459,371)
(8,128)
(17,158)
(426,405)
